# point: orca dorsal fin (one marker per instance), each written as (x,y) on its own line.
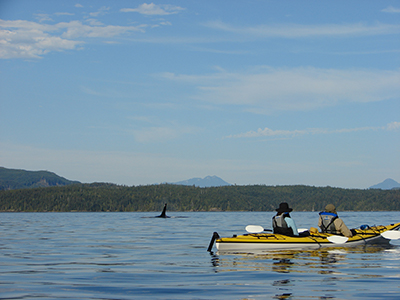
(163,214)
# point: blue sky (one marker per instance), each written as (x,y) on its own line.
(255,92)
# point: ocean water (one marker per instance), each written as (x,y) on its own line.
(136,256)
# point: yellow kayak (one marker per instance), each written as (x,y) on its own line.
(269,241)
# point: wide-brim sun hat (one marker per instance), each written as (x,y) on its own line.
(284,207)
(330,208)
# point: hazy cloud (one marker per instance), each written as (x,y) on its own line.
(391,9)
(267,132)
(43,17)
(265,89)
(154,9)
(302,31)
(75,29)
(64,14)
(393,126)
(101,11)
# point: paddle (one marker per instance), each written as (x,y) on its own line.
(337,239)
(256,229)
(391,234)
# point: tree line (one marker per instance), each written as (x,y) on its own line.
(98,197)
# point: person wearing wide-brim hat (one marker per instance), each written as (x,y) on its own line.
(284,207)
(329,222)
(282,223)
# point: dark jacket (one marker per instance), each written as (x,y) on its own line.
(280,226)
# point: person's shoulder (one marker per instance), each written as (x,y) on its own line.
(338,220)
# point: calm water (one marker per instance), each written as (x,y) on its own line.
(134,256)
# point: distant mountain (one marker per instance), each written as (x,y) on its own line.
(12,179)
(387,184)
(208,181)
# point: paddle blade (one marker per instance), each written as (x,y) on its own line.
(391,234)
(254,228)
(337,239)
(300,230)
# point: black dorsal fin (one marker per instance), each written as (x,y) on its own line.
(163,214)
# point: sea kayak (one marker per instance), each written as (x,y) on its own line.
(269,241)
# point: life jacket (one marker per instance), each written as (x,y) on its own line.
(328,225)
(280,226)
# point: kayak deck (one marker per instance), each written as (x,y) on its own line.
(270,241)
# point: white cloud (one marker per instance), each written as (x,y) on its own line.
(393,126)
(265,89)
(303,31)
(75,29)
(165,23)
(101,11)
(391,9)
(267,132)
(154,9)
(43,17)
(25,39)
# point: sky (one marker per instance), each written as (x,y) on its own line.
(252,91)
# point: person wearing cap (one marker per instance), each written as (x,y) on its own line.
(329,222)
(282,223)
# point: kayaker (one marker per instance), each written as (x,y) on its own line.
(329,222)
(282,223)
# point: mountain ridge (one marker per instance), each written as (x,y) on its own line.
(387,184)
(208,181)
(12,179)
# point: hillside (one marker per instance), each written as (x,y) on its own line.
(109,197)
(11,179)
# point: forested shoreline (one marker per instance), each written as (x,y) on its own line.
(98,197)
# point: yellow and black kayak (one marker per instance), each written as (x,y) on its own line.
(269,241)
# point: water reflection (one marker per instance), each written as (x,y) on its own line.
(282,265)
(283,296)
(214,259)
(322,261)
(328,273)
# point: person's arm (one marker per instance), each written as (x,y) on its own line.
(340,226)
(292,224)
(320,222)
